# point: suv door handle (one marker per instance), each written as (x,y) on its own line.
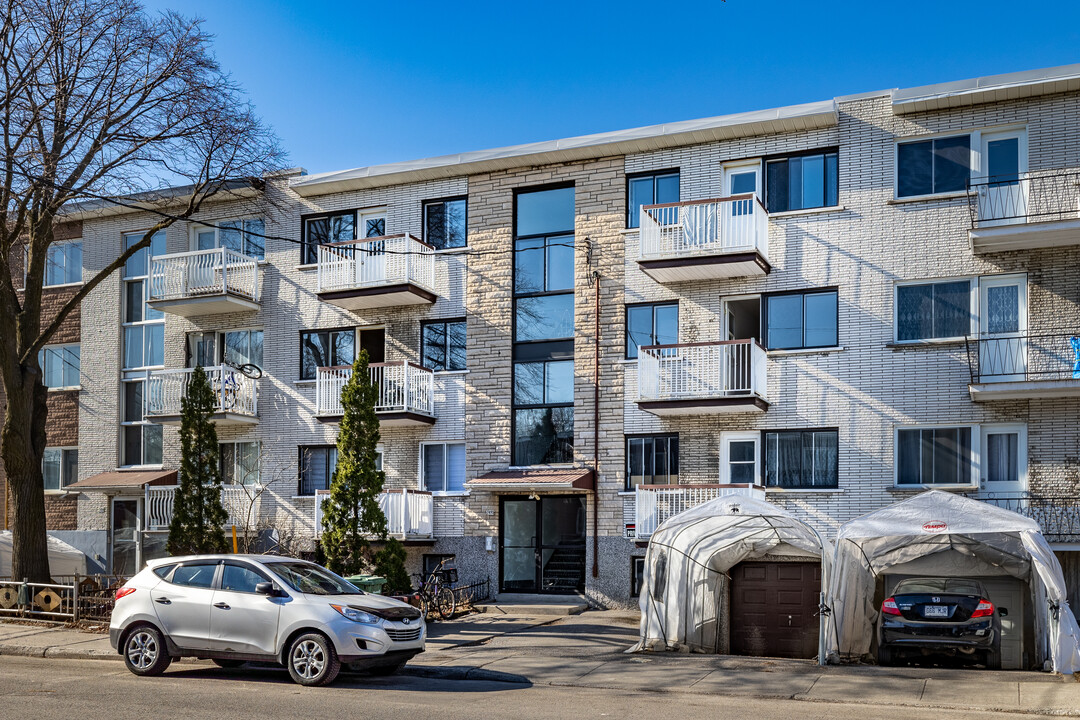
(163,600)
(223,606)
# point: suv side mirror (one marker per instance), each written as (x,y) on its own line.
(267,588)
(1003,611)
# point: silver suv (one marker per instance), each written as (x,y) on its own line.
(236,608)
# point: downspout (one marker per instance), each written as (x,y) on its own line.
(596,431)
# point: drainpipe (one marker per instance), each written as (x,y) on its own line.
(596,431)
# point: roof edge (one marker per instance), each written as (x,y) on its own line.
(1042,81)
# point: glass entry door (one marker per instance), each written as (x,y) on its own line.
(1002,328)
(1003,197)
(543,544)
(124,528)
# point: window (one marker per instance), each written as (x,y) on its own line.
(141,441)
(243,236)
(928,311)
(927,167)
(240,578)
(144,327)
(443,466)
(655,188)
(801,458)
(431,561)
(63,263)
(326,348)
(652,460)
(323,229)
(235,347)
(317,464)
(199,575)
(445,223)
(543,397)
(805,319)
(739,457)
(651,324)
(60,467)
(240,463)
(802,182)
(59,366)
(934,456)
(637,575)
(442,345)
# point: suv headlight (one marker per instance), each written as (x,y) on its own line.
(357,615)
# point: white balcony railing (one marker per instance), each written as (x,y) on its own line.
(733,224)
(205,272)
(234,392)
(702,370)
(403,387)
(1027,197)
(654,504)
(409,513)
(374,262)
(240,502)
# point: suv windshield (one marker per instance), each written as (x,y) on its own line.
(312,579)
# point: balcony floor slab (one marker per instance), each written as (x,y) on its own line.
(705,267)
(705,406)
(1024,390)
(1025,236)
(380,296)
(219,418)
(205,305)
(389,419)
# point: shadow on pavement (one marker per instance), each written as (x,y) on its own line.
(410,678)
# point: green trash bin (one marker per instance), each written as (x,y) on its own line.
(368,583)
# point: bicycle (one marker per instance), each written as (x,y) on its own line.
(230,385)
(435,594)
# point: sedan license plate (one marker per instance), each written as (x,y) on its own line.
(935,611)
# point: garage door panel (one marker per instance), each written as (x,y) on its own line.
(773,609)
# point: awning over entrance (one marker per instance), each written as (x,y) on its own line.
(120,480)
(541,479)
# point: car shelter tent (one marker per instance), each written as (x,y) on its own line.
(937,524)
(690,553)
(63,558)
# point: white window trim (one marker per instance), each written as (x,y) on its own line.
(726,438)
(63,485)
(255,485)
(420,483)
(974,287)
(77,386)
(44,276)
(976,449)
(1021,430)
(975,161)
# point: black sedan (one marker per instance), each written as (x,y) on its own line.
(933,616)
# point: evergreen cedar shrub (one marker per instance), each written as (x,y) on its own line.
(390,564)
(198,515)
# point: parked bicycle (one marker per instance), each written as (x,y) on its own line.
(435,593)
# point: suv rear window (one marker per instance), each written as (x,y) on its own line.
(195,575)
(162,571)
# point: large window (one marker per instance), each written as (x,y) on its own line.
(655,188)
(805,319)
(651,324)
(317,464)
(929,311)
(443,467)
(445,223)
(543,396)
(63,263)
(60,467)
(928,167)
(323,229)
(233,347)
(802,182)
(652,460)
(239,463)
(442,344)
(243,236)
(143,348)
(59,366)
(934,456)
(801,458)
(141,441)
(326,348)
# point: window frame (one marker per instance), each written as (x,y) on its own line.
(448,321)
(141,377)
(973,307)
(62,348)
(63,480)
(726,438)
(300,452)
(823,151)
(318,216)
(423,221)
(974,153)
(653,305)
(236,462)
(45,275)
(220,579)
(654,174)
(196,228)
(300,340)
(973,460)
(422,480)
(668,437)
(145,324)
(763,311)
(764,478)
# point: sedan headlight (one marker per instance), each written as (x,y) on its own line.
(357,615)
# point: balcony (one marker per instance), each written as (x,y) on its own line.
(235,395)
(704,239)
(1057,515)
(654,504)
(703,378)
(406,393)
(390,271)
(1024,366)
(409,513)
(241,502)
(1037,209)
(206,282)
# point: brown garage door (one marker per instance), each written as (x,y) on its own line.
(773,609)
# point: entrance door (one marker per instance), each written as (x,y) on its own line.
(774,609)
(1002,326)
(1003,194)
(371,262)
(741,179)
(543,544)
(125,524)
(1003,469)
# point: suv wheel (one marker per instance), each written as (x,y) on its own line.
(145,652)
(313,660)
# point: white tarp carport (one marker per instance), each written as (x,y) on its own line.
(688,554)
(63,558)
(937,523)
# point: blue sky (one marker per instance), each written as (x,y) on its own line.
(347,84)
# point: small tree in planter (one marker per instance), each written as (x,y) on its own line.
(198,515)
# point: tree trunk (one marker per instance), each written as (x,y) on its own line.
(22,445)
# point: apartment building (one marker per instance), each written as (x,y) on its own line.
(831,306)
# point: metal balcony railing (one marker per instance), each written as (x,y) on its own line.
(204,272)
(1024,356)
(1057,514)
(654,504)
(409,513)
(733,224)
(702,370)
(234,392)
(1035,196)
(375,262)
(240,502)
(403,387)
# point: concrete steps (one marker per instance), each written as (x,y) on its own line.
(534,605)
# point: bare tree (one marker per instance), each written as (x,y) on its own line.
(102,103)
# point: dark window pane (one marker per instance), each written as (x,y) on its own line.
(133,301)
(914,168)
(635,462)
(801,459)
(133,445)
(559,382)
(784,321)
(433,343)
(741,451)
(908,460)
(545,318)
(344,347)
(254,230)
(813,181)
(152,444)
(952,309)
(374,227)
(639,328)
(826,459)
(528,383)
(543,436)
(435,225)
(914,312)
(240,579)
(666,320)
(776,177)
(795,182)
(667,189)
(232,237)
(545,211)
(456,228)
(560,263)
(832,180)
(133,402)
(529,266)
(434,468)
(313,353)
(195,575)
(455,339)
(742,473)
(952,163)
(1003,161)
(640,191)
(819,320)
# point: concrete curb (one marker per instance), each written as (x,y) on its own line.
(441,672)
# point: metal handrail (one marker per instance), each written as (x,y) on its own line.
(1030,196)
(1022,356)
